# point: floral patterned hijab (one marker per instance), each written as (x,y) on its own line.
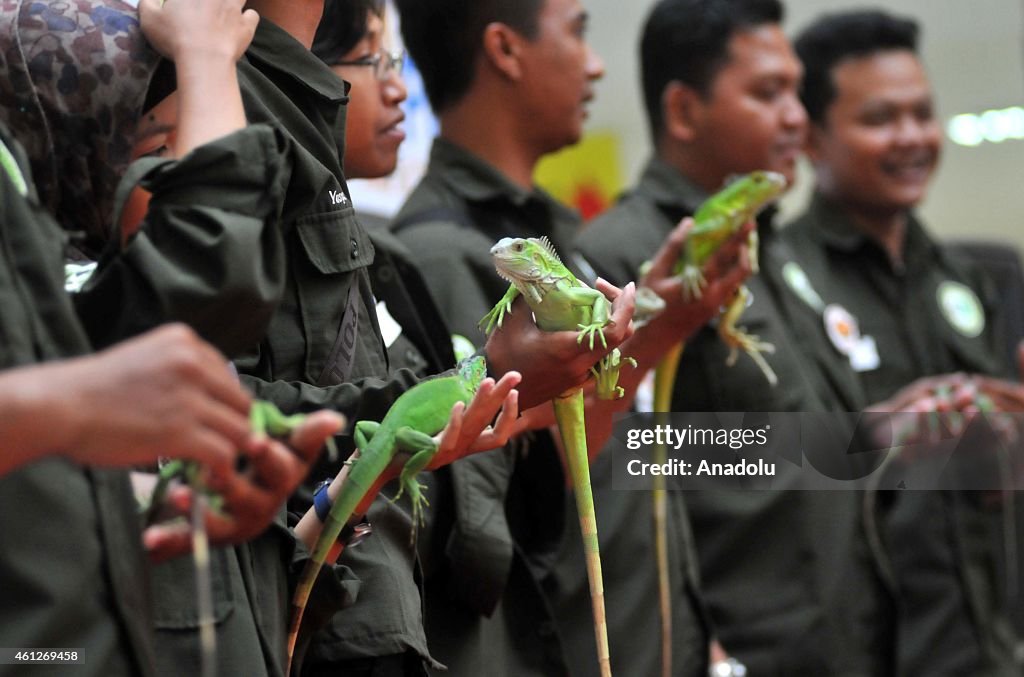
(73,79)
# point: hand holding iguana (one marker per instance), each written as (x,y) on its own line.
(407,431)
(716,225)
(560,302)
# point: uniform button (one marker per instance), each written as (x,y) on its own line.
(411,357)
(355,249)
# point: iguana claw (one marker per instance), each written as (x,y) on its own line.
(497,314)
(606,374)
(416,498)
(738,340)
(590,330)
(693,282)
(495,317)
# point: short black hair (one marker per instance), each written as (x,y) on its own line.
(688,41)
(343,25)
(445,37)
(834,37)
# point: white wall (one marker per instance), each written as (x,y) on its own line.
(974,51)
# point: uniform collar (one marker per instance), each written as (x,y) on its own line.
(280,52)
(676,194)
(837,231)
(668,188)
(476,180)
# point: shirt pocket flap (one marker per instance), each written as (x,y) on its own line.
(334,241)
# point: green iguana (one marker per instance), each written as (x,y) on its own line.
(560,302)
(409,426)
(264,418)
(717,219)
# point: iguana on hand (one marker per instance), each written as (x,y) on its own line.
(264,418)
(409,426)
(560,302)
(717,219)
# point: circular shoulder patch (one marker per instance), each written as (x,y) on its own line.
(842,328)
(961,308)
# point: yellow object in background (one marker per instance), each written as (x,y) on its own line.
(587,176)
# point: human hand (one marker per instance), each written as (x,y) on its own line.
(252,497)
(206,31)
(552,362)
(931,393)
(934,407)
(1002,395)
(469,429)
(166,393)
(725,271)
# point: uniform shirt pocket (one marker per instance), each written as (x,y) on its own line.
(335,254)
(174,590)
(334,242)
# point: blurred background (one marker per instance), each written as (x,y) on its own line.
(974,53)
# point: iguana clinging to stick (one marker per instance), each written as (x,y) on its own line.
(410,424)
(560,302)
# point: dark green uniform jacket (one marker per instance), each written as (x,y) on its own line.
(71,565)
(324,348)
(464,547)
(484,611)
(952,617)
(209,252)
(785,574)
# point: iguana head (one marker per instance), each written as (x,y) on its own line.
(751,192)
(472,371)
(526,261)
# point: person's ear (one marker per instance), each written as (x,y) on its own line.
(682,109)
(503,50)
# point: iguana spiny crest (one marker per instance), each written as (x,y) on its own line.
(530,264)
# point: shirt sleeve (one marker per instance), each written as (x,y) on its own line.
(209,252)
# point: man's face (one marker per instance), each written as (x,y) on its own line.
(752,117)
(559,70)
(373,118)
(880,142)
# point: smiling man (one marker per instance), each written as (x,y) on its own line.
(721,87)
(875,143)
(510,82)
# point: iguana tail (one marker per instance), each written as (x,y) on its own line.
(569,414)
(350,498)
(664,384)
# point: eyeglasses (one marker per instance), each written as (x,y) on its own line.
(383,62)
